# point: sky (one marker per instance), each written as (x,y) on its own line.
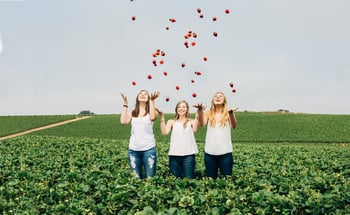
(65,56)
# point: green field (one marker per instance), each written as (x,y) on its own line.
(14,124)
(283,164)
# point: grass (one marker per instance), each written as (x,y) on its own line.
(283,164)
(252,127)
(14,124)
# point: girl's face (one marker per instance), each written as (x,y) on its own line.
(182,109)
(143,96)
(218,99)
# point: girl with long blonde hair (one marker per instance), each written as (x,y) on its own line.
(218,143)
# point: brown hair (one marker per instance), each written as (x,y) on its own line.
(224,113)
(136,111)
(187,115)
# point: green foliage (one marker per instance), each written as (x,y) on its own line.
(283,164)
(252,127)
(281,127)
(69,175)
(14,124)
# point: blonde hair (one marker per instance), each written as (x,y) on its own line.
(187,115)
(224,113)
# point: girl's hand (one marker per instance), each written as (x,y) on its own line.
(232,110)
(125,99)
(199,106)
(155,95)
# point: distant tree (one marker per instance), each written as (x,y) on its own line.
(86,112)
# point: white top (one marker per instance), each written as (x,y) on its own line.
(142,136)
(182,141)
(218,139)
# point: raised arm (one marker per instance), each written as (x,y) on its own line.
(165,128)
(233,119)
(125,116)
(201,118)
(152,109)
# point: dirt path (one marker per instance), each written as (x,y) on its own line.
(43,127)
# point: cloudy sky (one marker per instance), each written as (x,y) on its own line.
(64,56)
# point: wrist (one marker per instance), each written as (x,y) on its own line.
(124,105)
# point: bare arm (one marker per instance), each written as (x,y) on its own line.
(125,116)
(165,128)
(233,119)
(152,109)
(200,116)
(195,125)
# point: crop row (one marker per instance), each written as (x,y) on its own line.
(66,175)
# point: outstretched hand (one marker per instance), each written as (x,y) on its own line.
(155,95)
(125,99)
(199,106)
(232,110)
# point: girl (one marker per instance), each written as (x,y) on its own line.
(142,152)
(218,143)
(183,145)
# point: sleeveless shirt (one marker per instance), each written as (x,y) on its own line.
(182,141)
(142,136)
(218,139)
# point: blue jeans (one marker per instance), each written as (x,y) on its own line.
(182,166)
(143,159)
(215,162)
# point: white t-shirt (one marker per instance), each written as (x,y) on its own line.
(218,139)
(182,141)
(142,136)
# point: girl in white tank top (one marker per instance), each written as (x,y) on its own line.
(183,145)
(142,155)
(218,143)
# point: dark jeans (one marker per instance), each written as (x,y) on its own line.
(143,159)
(215,162)
(182,166)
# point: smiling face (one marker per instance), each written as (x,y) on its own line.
(181,109)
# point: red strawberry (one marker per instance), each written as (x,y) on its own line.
(227,11)
(194,95)
(177,87)
(149,76)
